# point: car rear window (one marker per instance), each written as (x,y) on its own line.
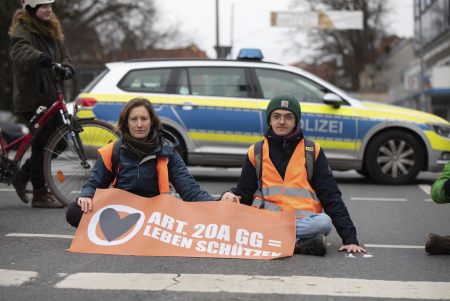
(146,80)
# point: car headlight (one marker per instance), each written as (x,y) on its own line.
(440,129)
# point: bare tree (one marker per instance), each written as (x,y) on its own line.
(348,50)
(94,28)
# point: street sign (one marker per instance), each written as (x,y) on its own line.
(411,83)
(303,20)
(333,19)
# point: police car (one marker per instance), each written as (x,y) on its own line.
(216,109)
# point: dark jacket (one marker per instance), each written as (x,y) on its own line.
(33,84)
(323,182)
(141,178)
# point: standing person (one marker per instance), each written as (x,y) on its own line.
(147,161)
(36,42)
(283,182)
(440,193)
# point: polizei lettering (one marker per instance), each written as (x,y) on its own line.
(322,126)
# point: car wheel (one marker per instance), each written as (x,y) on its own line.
(363,173)
(394,157)
(181,149)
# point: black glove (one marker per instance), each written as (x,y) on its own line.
(45,60)
(447,187)
(67,72)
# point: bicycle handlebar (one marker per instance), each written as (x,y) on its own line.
(60,68)
(68,74)
(56,66)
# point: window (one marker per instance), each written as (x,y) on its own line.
(217,81)
(435,20)
(274,82)
(148,80)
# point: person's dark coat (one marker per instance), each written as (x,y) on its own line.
(141,178)
(34,84)
(323,183)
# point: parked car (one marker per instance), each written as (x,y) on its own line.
(13,131)
(216,109)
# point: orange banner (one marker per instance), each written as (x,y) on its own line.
(126,224)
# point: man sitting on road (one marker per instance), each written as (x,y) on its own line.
(289,172)
(440,193)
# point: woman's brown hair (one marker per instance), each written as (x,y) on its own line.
(52,24)
(122,125)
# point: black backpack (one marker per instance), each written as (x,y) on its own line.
(115,158)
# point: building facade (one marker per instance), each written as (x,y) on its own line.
(434,18)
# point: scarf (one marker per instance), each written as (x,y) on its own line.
(141,149)
(47,33)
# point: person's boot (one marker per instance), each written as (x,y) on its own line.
(311,246)
(437,244)
(42,198)
(20,182)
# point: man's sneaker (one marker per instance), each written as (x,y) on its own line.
(437,244)
(42,198)
(20,185)
(311,246)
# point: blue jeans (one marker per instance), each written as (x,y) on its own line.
(312,226)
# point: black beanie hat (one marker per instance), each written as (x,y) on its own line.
(284,101)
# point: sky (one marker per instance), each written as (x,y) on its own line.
(251,26)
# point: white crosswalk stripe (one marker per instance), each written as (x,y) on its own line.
(426,188)
(39,235)
(16,278)
(379,199)
(294,285)
(393,246)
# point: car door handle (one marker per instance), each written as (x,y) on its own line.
(187,105)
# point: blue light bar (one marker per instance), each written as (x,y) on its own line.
(250,54)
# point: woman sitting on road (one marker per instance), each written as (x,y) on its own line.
(141,172)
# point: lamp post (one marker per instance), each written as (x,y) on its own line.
(217,30)
(222,51)
(422,99)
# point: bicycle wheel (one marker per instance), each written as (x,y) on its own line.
(64,171)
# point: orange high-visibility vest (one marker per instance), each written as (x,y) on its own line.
(292,193)
(161,168)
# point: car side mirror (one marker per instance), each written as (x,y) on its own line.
(332,99)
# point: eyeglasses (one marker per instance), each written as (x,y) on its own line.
(287,118)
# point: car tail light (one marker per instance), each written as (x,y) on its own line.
(86,103)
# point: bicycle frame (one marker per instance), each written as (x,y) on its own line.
(26,140)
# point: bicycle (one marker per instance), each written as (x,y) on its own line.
(70,153)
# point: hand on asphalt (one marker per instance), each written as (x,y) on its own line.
(352,248)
